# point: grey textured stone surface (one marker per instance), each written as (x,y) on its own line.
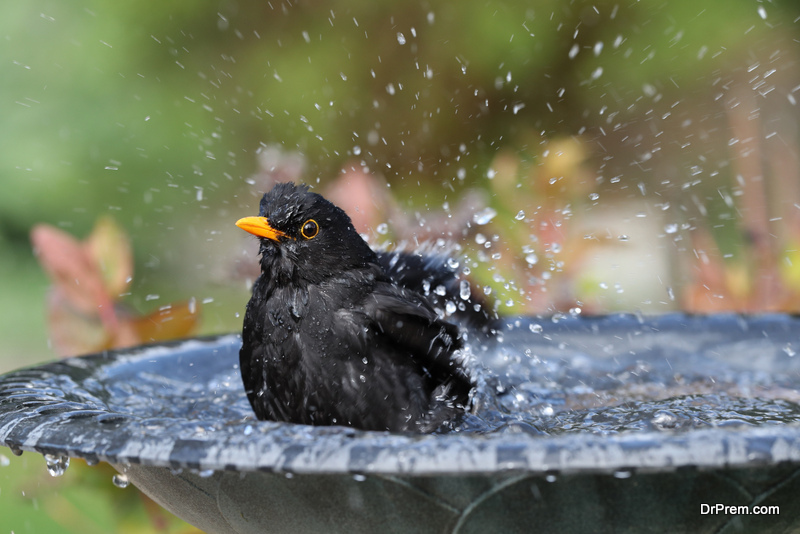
(173,418)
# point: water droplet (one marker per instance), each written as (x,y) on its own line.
(623,473)
(536,328)
(762,12)
(4,461)
(594,196)
(532,258)
(671,228)
(789,350)
(120,481)
(205,473)
(664,419)
(452,263)
(440,290)
(356,150)
(401,39)
(575,312)
(56,465)
(551,478)
(359,478)
(671,293)
(480,239)
(464,290)
(426,287)
(450,307)
(623,237)
(484,216)
(574,51)
(382,229)
(520,215)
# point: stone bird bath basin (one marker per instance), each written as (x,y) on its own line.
(615,423)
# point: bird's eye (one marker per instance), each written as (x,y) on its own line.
(309,229)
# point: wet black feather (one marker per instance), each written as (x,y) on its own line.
(330,337)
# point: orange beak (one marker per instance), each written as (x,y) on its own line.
(259,226)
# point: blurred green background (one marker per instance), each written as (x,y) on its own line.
(610,155)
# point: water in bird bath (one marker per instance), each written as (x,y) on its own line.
(538,376)
(646,378)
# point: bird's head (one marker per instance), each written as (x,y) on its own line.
(304,237)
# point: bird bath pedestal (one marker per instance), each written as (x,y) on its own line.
(624,424)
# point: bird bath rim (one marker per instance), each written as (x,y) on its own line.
(81,424)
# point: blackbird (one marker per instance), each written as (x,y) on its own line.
(336,334)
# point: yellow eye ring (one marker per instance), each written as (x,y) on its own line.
(310,229)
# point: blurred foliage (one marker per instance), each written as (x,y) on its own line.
(85,309)
(651,146)
(155,114)
(82,501)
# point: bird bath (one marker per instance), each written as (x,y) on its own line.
(611,423)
